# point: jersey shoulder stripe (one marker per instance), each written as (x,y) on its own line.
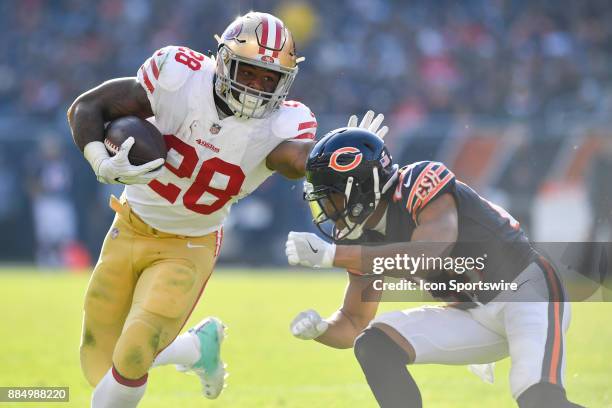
(295,121)
(433,181)
(149,66)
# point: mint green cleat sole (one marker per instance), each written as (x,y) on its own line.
(208,335)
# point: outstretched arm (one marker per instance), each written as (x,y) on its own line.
(434,236)
(289,158)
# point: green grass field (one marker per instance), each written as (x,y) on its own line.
(41,317)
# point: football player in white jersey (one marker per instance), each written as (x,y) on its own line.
(227,127)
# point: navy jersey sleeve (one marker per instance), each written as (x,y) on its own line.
(420,183)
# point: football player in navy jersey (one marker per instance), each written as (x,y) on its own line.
(372,209)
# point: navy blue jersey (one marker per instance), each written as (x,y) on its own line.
(486,230)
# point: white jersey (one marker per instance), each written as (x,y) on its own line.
(211,162)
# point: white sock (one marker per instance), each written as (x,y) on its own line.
(183,350)
(115,392)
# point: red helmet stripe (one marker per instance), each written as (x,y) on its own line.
(277,43)
(333,160)
(264,36)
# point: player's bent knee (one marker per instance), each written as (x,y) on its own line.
(372,342)
(363,345)
(136,349)
(545,395)
(133,361)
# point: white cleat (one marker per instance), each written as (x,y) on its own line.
(208,335)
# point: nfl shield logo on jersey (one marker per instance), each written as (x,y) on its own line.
(215,128)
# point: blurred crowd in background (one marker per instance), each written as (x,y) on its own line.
(439,70)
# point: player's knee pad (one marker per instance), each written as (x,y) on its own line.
(365,345)
(545,395)
(136,349)
(373,346)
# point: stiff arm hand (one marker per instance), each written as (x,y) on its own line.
(371,123)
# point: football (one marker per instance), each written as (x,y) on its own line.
(148,141)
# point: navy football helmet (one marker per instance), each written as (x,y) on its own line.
(347,173)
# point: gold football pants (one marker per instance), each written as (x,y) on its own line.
(141,293)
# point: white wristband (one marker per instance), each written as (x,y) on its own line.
(95,153)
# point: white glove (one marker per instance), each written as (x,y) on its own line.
(369,124)
(306,249)
(118,169)
(308,325)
